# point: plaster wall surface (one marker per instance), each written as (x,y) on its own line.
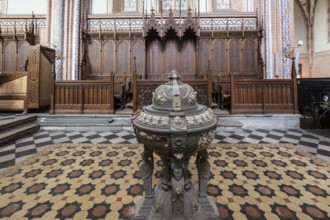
(321,41)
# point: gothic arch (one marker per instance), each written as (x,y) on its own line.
(10,57)
(204,54)
(249,56)
(108,56)
(94,57)
(234,55)
(153,57)
(23,54)
(219,56)
(138,53)
(123,57)
(188,64)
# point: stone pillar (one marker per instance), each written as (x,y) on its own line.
(76,40)
(49,22)
(57,36)
(268,40)
(285,11)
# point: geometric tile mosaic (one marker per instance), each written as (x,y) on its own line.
(15,152)
(103,181)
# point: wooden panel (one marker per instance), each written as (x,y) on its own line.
(138,53)
(188,64)
(83,97)
(249,56)
(142,95)
(108,57)
(154,57)
(23,53)
(219,59)
(234,56)
(94,57)
(34,77)
(10,57)
(123,61)
(264,96)
(46,71)
(171,56)
(203,56)
(13,92)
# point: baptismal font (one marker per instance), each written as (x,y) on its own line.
(175,127)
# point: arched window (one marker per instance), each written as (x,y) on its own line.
(24,7)
(167,4)
(130,5)
(175,4)
(222,4)
(99,6)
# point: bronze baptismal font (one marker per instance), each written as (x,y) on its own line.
(175,127)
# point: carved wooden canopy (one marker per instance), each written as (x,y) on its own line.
(180,26)
(19,35)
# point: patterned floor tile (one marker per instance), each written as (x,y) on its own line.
(44,138)
(99,181)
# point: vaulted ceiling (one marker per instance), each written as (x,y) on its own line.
(308,9)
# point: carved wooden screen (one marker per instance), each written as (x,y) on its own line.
(171,56)
(154,59)
(138,53)
(123,61)
(203,55)
(108,58)
(234,56)
(23,53)
(249,56)
(10,57)
(94,58)
(188,63)
(219,59)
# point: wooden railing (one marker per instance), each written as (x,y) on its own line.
(264,96)
(83,97)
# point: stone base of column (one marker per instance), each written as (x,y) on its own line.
(209,207)
(143,208)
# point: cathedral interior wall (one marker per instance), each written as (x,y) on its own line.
(321,65)
(300,33)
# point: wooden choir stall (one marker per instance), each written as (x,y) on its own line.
(125,58)
(26,71)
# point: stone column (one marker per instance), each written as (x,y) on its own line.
(76,40)
(268,39)
(57,36)
(49,22)
(285,9)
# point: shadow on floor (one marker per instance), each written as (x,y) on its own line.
(321,132)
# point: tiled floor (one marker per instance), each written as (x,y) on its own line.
(22,148)
(103,181)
